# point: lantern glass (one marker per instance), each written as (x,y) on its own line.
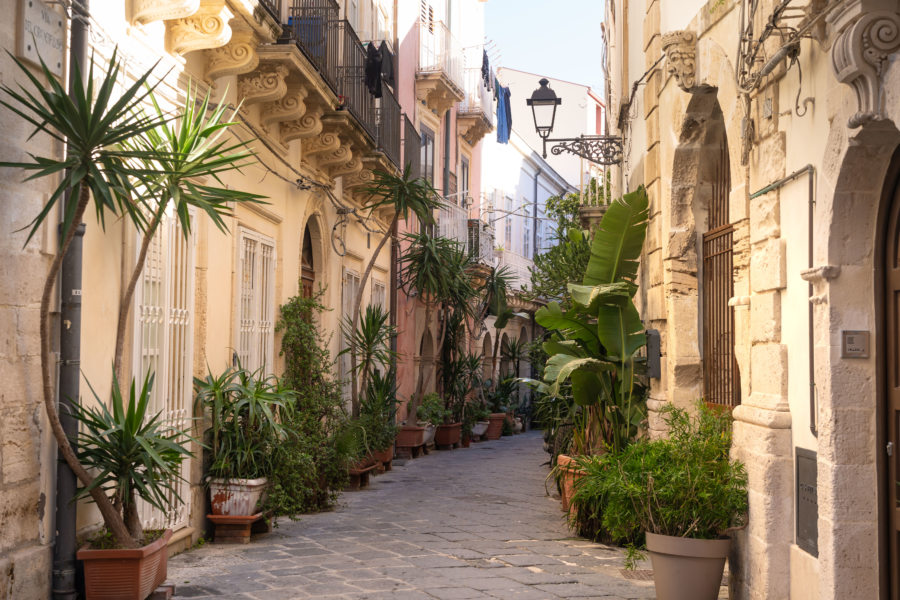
(543,103)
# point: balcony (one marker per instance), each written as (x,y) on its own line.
(519,268)
(412,148)
(453,223)
(439,74)
(481,242)
(475,115)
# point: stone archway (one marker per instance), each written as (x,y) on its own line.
(851,454)
(486,349)
(426,361)
(312,257)
(700,160)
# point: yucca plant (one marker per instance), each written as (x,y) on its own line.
(134,453)
(406,196)
(369,342)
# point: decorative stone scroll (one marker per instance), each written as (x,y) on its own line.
(263,85)
(148,11)
(237,57)
(860,54)
(336,158)
(289,108)
(322,144)
(307,126)
(354,165)
(206,28)
(680,48)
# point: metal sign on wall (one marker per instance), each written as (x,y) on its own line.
(41,34)
(807,494)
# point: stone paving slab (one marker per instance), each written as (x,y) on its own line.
(455,525)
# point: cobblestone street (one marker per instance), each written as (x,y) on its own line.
(471,523)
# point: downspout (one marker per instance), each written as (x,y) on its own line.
(395,250)
(63,575)
(811,172)
(534,248)
(447,155)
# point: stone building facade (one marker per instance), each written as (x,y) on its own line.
(768,142)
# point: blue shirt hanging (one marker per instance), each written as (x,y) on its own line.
(504,114)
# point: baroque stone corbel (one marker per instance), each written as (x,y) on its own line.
(322,144)
(148,11)
(860,53)
(363,177)
(266,84)
(237,57)
(680,48)
(354,165)
(336,158)
(307,126)
(289,108)
(206,28)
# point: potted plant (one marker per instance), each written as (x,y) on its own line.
(246,411)
(499,399)
(136,456)
(431,413)
(379,407)
(683,492)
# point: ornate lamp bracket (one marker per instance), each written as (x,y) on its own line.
(680,48)
(868,32)
(600,149)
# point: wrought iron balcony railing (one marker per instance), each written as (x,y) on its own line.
(453,223)
(389,122)
(440,52)
(274,8)
(481,242)
(412,148)
(519,266)
(477,97)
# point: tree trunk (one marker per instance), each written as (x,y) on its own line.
(125,303)
(133,519)
(354,391)
(494,359)
(111,516)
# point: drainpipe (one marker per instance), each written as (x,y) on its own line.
(63,577)
(811,173)
(395,256)
(447,155)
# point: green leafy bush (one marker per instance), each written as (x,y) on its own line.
(684,485)
(433,410)
(378,409)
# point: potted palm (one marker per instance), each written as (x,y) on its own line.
(136,457)
(379,406)
(683,492)
(246,411)
(432,413)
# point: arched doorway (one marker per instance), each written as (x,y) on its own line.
(307,266)
(891,408)
(486,349)
(701,242)
(426,361)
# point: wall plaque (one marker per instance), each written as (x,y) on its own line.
(42,32)
(807,494)
(854,344)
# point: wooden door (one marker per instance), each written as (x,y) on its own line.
(892,377)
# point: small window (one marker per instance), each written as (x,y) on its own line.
(255,310)
(427,154)
(464,179)
(349,289)
(379,294)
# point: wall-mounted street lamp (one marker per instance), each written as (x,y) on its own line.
(599,149)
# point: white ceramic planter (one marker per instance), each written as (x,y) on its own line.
(236,496)
(480,427)
(429,432)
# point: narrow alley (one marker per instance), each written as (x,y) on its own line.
(472,523)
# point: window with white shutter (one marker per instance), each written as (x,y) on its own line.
(349,288)
(379,294)
(163,345)
(255,310)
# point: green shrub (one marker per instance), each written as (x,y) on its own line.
(433,410)
(684,485)
(507,428)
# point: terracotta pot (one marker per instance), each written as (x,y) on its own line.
(495,426)
(687,568)
(384,456)
(479,428)
(236,496)
(568,474)
(410,436)
(366,461)
(447,435)
(465,442)
(125,574)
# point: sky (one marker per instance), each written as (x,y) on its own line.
(555,38)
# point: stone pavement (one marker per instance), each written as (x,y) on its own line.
(468,523)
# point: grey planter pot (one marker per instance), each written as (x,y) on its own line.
(686,568)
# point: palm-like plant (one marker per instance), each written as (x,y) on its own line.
(427,269)
(494,292)
(596,340)
(405,196)
(174,158)
(92,122)
(372,341)
(135,455)
(514,350)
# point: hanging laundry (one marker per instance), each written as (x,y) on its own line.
(485,70)
(387,64)
(504,114)
(373,70)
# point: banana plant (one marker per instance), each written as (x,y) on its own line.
(595,342)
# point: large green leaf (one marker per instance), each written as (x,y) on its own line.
(591,296)
(573,326)
(620,330)
(618,241)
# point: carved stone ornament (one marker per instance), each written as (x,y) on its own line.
(336,159)
(354,165)
(307,126)
(206,28)
(148,11)
(363,177)
(860,54)
(263,85)
(289,108)
(237,57)
(323,144)
(680,48)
